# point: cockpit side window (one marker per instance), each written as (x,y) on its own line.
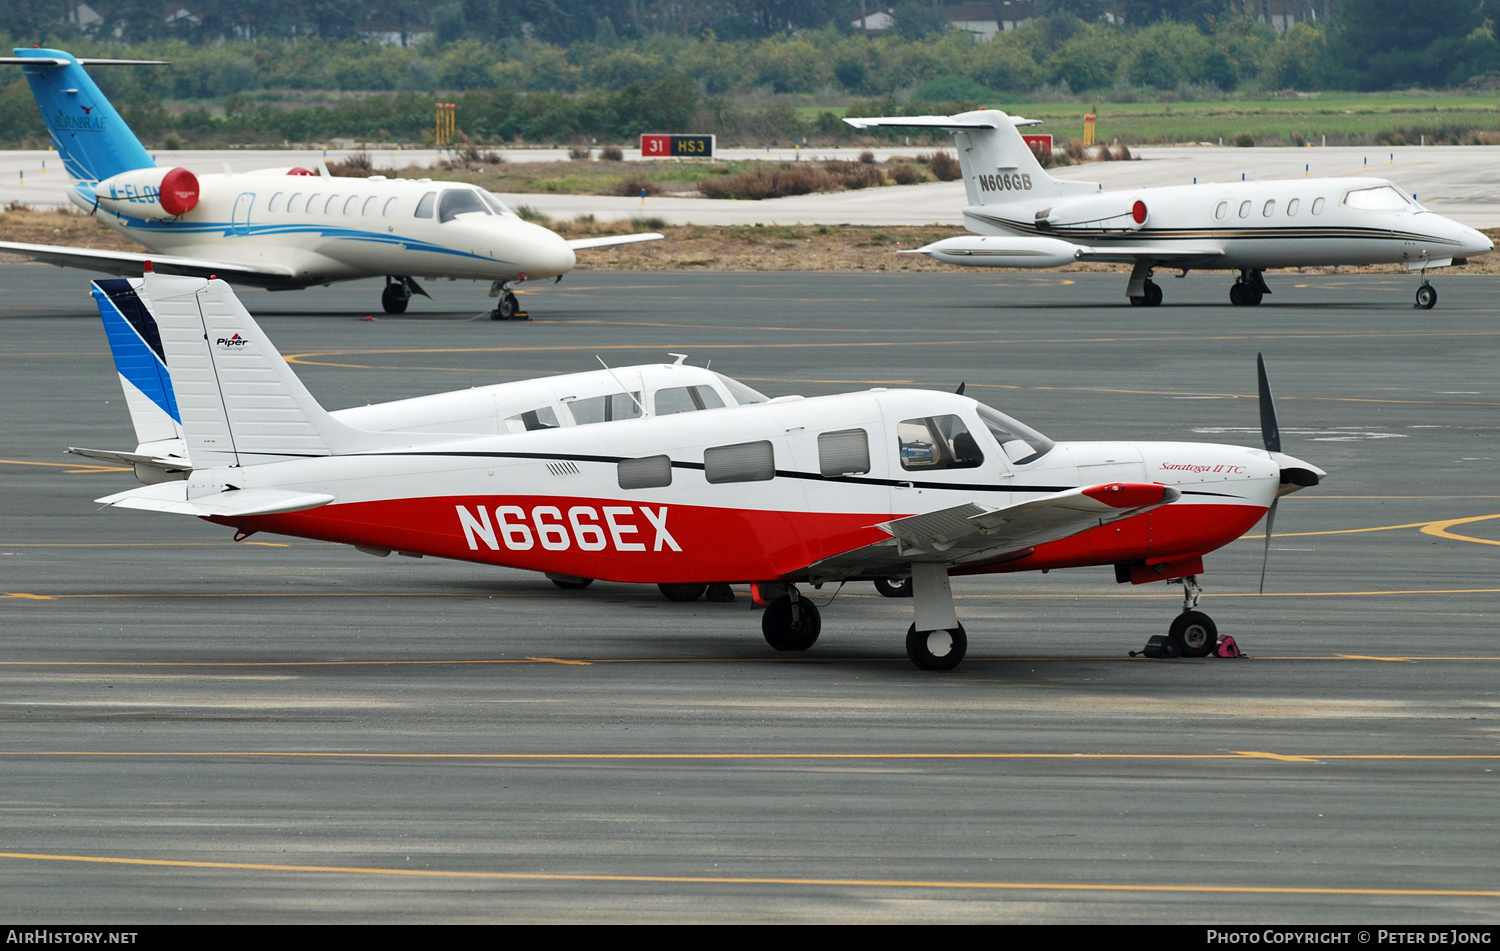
(530,421)
(1379,198)
(605,409)
(459,201)
(424,207)
(937,442)
(686,399)
(1020,443)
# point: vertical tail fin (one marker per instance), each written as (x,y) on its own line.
(94,142)
(998,166)
(140,360)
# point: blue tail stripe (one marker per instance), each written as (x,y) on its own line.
(94,142)
(135,343)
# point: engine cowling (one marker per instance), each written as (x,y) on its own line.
(1106,212)
(149,192)
(988,251)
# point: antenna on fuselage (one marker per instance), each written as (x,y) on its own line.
(638,404)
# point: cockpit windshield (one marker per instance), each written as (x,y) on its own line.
(1379,198)
(496,205)
(460,201)
(742,394)
(1020,443)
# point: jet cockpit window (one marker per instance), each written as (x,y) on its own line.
(459,201)
(1020,443)
(496,205)
(937,442)
(686,399)
(1379,198)
(605,409)
(424,207)
(530,421)
(742,394)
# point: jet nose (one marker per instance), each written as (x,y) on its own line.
(547,254)
(1476,243)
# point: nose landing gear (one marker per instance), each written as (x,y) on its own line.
(507,307)
(1194,632)
(1426,296)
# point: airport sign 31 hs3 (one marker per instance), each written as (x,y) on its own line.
(677,146)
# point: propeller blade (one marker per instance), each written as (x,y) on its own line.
(1270,529)
(1269,431)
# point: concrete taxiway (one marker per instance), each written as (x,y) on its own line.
(202,731)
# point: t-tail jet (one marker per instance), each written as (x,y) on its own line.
(1021,217)
(878,484)
(279,228)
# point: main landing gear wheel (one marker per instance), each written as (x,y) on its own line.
(569,582)
(1242,294)
(1426,296)
(789,630)
(1194,633)
(936,650)
(894,587)
(1151,297)
(682,592)
(507,308)
(394,298)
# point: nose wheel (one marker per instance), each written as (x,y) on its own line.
(1193,632)
(508,307)
(1426,297)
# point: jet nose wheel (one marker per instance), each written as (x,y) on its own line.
(1194,633)
(1426,297)
(936,650)
(791,628)
(508,308)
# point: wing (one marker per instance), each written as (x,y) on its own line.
(131,263)
(971,534)
(936,122)
(583,244)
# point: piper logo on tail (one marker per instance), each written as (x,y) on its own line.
(583,526)
(229,343)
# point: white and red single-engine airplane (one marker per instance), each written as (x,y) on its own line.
(870,485)
(1024,218)
(279,228)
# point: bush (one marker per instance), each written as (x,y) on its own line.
(1244,141)
(633,186)
(533,214)
(867,157)
(776,183)
(943,165)
(904,174)
(612,153)
(579,153)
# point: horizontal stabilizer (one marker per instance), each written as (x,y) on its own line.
(231,503)
(991,119)
(132,458)
(583,244)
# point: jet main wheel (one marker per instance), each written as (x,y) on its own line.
(1194,633)
(936,650)
(1426,297)
(785,635)
(1256,296)
(893,588)
(1138,301)
(394,298)
(1153,294)
(1239,293)
(682,592)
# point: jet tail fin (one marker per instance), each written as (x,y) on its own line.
(94,142)
(135,343)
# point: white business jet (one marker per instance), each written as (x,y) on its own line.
(1022,217)
(279,228)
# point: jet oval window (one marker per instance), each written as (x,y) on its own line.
(390,207)
(1020,443)
(424,207)
(1269,209)
(370,204)
(294,204)
(744,462)
(1317,207)
(652,472)
(1379,198)
(312,202)
(351,204)
(1245,209)
(275,204)
(460,201)
(333,203)
(846,452)
(937,442)
(1292,206)
(1222,211)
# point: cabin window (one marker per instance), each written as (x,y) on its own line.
(530,421)
(1269,209)
(1317,207)
(605,409)
(333,203)
(937,442)
(1020,443)
(652,472)
(459,201)
(294,204)
(1244,209)
(312,202)
(745,462)
(846,452)
(1222,211)
(686,399)
(275,204)
(351,204)
(1291,206)
(370,204)
(1379,198)
(424,207)
(390,208)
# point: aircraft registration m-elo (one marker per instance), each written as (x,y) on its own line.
(279,228)
(1024,218)
(869,485)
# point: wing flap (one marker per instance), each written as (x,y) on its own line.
(231,503)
